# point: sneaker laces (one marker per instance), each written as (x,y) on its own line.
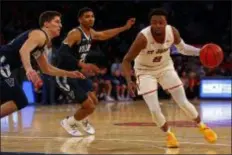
(74,126)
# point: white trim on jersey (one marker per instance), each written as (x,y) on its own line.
(88,37)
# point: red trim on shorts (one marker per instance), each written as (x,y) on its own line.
(149,92)
(174,87)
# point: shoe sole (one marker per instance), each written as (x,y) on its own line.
(87,132)
(172,147)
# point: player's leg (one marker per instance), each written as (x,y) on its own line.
(72,89)
(73,124)
(12,98)
(147,87)
(93,97)
(176,89)
(7,108)
(87,86)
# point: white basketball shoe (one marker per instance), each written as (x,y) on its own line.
(72,129)
(87,127)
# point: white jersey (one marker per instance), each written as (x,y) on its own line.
(155,56)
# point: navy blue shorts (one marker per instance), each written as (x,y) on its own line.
(11,91)
(76,89)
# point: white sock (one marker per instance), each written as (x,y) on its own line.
(72,120)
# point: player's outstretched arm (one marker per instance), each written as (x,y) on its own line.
(107,34)
(139,43)
(183,48)
(53,71)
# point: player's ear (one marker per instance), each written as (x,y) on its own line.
(46,24)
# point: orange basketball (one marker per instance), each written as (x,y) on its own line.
(211,55)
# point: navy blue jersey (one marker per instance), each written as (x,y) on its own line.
(68,58)
(9,54)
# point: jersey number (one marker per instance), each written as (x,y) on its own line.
(4,70)
(157,59)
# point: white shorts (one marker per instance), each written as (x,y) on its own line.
(148,83)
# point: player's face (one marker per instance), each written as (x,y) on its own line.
(158,24)
(87,19)
(54,26)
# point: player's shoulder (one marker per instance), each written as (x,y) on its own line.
(74,32)
(146,29)
(38,34)
(141,39)
(175,32)
(174,29)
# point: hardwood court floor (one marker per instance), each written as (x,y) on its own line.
(123,127)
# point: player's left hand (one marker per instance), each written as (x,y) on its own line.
(130,22)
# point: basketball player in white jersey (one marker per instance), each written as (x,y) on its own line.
(153,64)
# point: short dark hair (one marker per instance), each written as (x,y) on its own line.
(83,10)
(158,11)
(47,16)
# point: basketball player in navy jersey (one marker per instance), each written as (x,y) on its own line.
(18,54)
(72,54)
(153,64)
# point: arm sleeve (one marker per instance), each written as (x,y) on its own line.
(186,49)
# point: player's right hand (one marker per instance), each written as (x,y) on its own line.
(34,77)
(75,74)
(131,87)
(130,22)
